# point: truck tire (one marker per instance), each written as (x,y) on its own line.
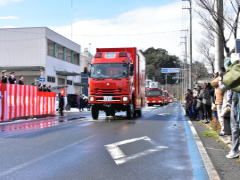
(130,112)
(95,112)
(139,113)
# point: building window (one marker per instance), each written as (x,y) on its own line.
(61,81)
(51,79)
(69,82)
(68,55)
(60,52)
(55,50)
(76,59)
(50,48)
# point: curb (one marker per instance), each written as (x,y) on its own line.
(211,171)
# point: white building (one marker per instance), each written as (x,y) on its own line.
(41,52)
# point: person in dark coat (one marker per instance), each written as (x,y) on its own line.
(20,81)
(44,88)
(61,104)
(12,79)
(49,89)
(81,103)
(40,87)
(4,77)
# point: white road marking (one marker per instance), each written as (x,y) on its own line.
(120,158)
(33,161)
(164,114)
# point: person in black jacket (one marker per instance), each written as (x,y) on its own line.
(12,79)
(4,77)
(20,81)
(61,104)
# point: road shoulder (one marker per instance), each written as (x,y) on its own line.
(226,168)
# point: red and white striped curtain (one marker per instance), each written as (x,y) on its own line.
(25,101)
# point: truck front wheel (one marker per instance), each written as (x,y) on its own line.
(95,112)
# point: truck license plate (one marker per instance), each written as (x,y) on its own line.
(107,98)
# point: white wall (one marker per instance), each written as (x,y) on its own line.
(22,47)
(60,65)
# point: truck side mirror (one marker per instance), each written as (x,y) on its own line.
(131,69)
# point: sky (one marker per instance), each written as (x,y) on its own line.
(105,23)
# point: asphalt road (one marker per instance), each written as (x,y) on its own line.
(159,145)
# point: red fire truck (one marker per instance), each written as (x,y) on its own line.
(154,96)
(170,98)
(117,82)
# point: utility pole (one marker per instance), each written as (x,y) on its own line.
(185,66)
(190,42)
(219,55)
(185,72)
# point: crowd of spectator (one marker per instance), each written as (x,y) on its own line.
(217,99)
(11,78)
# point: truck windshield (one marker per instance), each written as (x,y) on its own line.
(154,93)
(109,70)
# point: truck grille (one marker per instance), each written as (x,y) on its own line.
(107,91)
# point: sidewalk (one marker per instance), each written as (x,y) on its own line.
(217,148)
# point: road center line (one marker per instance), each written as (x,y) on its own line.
(33,161)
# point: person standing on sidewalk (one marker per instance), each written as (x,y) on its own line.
(219,93)
(235,126)
(189,103)
(61,104)
(205,95)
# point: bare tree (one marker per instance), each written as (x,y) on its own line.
(230,18)
(204,48)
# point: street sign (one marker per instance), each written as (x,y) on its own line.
(41,79)
(170,70)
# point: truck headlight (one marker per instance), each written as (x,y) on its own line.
(125,98)
(91,98)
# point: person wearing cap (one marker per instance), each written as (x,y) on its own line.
(4,77)
(12,79)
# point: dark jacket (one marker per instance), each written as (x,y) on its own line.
(12,80)
(20,82)
(61,102)
(4,79)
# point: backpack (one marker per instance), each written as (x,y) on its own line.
(231,78)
